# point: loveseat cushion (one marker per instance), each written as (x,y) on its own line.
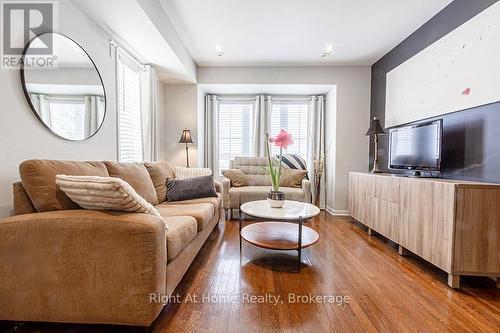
(137,176)
(159,173)
(202,212)
(251,193)
(181,231)
(39,180)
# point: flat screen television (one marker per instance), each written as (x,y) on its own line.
(416,147)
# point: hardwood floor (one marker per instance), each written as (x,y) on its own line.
(387,292)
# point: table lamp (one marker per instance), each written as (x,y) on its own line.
(375,130)
(186,139)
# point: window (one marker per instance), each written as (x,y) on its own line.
(67,117)
(129,109)
(236,131)
(293,117)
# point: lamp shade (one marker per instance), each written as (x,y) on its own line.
(375,127)
(186,137)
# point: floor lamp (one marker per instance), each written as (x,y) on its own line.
(186,139)
(375,130)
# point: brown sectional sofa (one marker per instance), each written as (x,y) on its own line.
(60,263)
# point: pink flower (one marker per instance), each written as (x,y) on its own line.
(282,140)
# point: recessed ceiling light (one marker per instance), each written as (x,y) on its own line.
(327,50)
(219,50)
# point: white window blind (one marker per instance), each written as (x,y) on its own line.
(129,109)
(293,117)
(67,117)
(236,131)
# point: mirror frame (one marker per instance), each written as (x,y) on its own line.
(27,96)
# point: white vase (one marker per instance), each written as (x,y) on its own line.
(276,199)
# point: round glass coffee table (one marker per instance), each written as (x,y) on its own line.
(283,229)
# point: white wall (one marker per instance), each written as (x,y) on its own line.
(180,105)
(347,118)
(23,137)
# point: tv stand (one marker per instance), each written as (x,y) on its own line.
(452,224)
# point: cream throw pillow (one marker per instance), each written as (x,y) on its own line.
(185,173)
(104,193)
(237,177)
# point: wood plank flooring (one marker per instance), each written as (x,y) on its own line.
(387,292)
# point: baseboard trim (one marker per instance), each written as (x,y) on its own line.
(337,212)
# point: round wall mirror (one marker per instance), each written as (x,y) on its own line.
(63,86)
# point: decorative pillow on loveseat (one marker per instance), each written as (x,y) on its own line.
(104,193)
(237,177)
(293,178)
(191,188)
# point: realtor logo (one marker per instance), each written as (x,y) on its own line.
(21,22)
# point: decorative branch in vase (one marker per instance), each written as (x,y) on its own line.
(275,197)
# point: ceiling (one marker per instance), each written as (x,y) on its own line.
(294,32)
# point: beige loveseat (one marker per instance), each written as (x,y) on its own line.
(59,263)
(254,167)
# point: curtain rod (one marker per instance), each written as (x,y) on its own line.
(278,98)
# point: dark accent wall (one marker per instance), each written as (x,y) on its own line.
(471,138)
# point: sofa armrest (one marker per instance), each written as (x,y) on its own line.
(218,186)
(226,185)
(82,266)
(306,187)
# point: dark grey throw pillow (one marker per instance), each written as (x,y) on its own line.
(190,188)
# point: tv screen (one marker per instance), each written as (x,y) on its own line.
(416,147)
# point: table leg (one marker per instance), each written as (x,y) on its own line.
(239,232)
(300,244)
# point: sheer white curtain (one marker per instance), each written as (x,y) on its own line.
(317,141)
(41,105)
(94,113)
(211,144)
(149,113)
(262,121)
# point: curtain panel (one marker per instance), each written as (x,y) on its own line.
(211,142)
(149,113)
(316,147)
(262,123)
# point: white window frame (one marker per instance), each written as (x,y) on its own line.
(237,101)
(293,101)
(125,59)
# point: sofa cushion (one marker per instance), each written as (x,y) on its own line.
(137,176)
(216,202)
(159,173)
(251,193)
(39,180)
(202,212)
(182,230)
(104,193)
